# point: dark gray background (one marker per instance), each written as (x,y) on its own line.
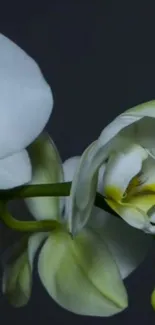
(98,58)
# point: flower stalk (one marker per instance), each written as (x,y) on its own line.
(60,189)
(28,226)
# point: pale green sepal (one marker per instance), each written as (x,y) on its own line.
(17,276)
(46,168)
(81,275)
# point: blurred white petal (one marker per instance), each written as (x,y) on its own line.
(15,170)
(26,100)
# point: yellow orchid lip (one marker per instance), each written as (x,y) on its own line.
(133,184)
(113,192)
(134,188)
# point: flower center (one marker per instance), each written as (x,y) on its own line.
(133,183)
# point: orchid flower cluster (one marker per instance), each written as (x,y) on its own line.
(85,251)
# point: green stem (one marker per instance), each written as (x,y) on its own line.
(58,189)
(44,190)
(28,226)
(41,190)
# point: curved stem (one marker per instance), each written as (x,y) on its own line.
(27,226)
(60,189)
(43,190)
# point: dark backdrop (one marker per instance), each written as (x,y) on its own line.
(97,57)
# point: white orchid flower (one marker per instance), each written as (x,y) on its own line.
(82,274)
(125,156)
(26,103)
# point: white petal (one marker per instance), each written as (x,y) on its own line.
(147,177)
(46,168)
(83,186)
(128,245)
(100,178)
(17,277)
(69,168)
(120,169)
(145,133)
(145,128)
(25,98)
(15,170)
(81,276)
(77,205)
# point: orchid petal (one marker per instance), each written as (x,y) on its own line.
(145,134)
(122,130)
(142,110)
(147,177)
(128,246)
(46,168)
(81,276)
(121,168)
(76,203)
(25,99)
(145,128)
(135,210)
(69,168)
(84,185)
(17,277)
(101,177)
(15,170)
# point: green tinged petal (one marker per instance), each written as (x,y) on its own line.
(46,168)
(142,110)
(81,275)
(115,135)
(17,281)
(129,246)
(17,276)
(84,181)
